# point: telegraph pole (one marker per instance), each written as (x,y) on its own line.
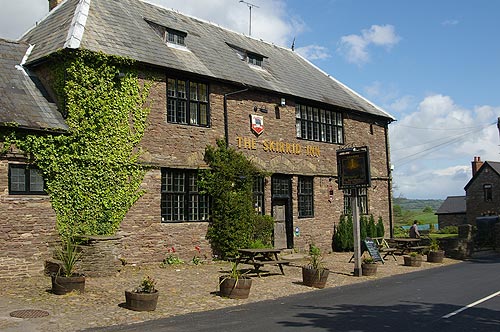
(250,6)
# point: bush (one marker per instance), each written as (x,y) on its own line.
(343,239)
(448,230)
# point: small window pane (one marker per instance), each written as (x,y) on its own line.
(36,180)
(17,179)
(193,91)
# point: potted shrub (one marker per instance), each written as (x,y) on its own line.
(235,285)
(413,259)
(66,279)
(435,255)
(144,297)
(368,267)
(315,274)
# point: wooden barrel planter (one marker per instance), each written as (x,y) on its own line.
(435,256)
(235,288)
(314,277)
(141,301)
(368,269)
(414,261)
(62,285)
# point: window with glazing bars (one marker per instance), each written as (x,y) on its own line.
(316,124)
(187,102)
(258,195)
(306,197)
(362,200)
(180,200)
(25,180)
(255,60)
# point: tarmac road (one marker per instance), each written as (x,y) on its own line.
(458,297)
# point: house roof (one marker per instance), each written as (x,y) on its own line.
(493,165)
(23,101)
(126,28)
(452,205)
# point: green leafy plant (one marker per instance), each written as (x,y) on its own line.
(197,260)
(171,258)
(69,255)
(434,244)
(315,257)
(91,171)
(413,254)
(368,260)
(148,285)
(229,182)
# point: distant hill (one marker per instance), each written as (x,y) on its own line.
(417,204)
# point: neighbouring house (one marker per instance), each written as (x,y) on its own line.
(264,100)
(483,190)
(452,212)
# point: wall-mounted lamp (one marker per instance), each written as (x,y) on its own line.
(260,109)
(283,102)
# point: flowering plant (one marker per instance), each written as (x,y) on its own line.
(197,260)
(147,285)
(171,258)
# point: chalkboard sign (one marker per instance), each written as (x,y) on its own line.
(370,246)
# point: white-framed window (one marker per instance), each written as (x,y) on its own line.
(25,180)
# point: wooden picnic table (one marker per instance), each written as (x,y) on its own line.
(408,244)
(261,257)
(384,247)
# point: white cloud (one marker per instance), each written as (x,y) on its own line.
(436,143)
(450,22)
(313,52)
(354,47)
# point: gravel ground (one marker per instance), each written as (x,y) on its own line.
(183,289)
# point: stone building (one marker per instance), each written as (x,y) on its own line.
(266,101)
(452,212)
(483,190)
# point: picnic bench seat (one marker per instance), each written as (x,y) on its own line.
(387,252)
(419,249)
(384,247)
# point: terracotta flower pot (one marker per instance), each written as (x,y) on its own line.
(141,301)
(235,288)
(62,285)
(314,277)
(435,256)
(368,269)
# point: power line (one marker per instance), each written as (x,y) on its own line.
(439,146)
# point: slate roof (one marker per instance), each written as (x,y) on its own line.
(452,205)
(119,27)
(23,102)
(494,165)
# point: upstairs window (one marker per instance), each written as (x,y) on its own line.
(187,102)
(25,180)
(175,37)
(255,59)
(320,125)
(488,192)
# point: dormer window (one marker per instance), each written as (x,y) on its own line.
(175,37)
(255,59)
(171,37)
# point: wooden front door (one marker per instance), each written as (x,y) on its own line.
(279,214)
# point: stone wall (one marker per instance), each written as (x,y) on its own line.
(451,220)
(26,229)
(476,205)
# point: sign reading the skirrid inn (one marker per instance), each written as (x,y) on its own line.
(257,123)
(353,167)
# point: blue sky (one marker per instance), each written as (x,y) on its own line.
(433,64)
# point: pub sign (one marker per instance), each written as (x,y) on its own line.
(257,123)
(353,168)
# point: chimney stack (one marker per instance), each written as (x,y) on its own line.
(54,3)
(476,165)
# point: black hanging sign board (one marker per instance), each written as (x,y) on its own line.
(370,246)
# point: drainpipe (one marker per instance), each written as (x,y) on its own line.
(389,178)
(226,121)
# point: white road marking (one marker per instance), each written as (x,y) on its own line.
(471,305)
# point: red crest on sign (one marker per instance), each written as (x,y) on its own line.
(257,123)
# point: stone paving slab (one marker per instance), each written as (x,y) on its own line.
(183,289)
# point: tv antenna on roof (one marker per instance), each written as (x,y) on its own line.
(250,6)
